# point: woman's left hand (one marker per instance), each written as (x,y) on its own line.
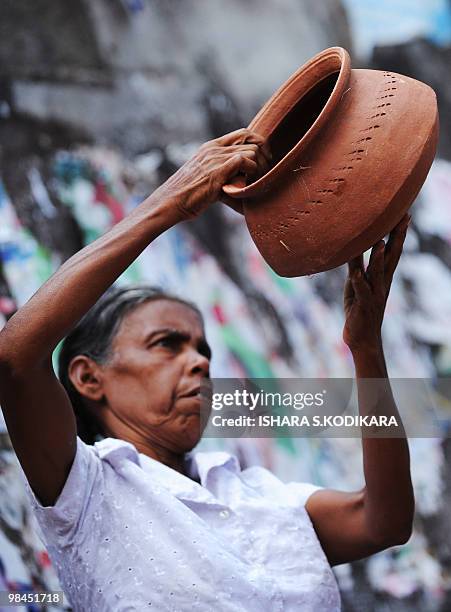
(366,291)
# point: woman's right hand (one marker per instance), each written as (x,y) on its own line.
(198,183)
(32,398)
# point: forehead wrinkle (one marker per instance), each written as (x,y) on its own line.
(186,335)
(165,330)
(153,317)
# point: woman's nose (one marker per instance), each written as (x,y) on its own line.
(199,364)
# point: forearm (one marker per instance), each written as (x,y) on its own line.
(34,331)
(388,495)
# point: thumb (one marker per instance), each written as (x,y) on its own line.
(360,285)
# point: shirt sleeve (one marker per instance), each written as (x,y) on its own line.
(301,491)
(59,523)
(296,493)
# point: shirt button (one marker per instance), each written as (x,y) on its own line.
(224,514)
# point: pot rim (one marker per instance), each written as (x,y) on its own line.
(322,65)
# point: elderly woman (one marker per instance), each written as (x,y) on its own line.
(132,522)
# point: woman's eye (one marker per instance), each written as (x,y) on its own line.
(166,342)
(170,341)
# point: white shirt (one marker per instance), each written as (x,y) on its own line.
(129,533)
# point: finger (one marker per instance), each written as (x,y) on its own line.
(239,137)
(238,148)
(348,293)
(399,231)
(249,166)
(260,156)
(375,270)
(355,264)
(394,247)
(404,222)
(239,163)
(249,152)
(244,135)
(252,153)
(375,249)
(263,146)
(360,285)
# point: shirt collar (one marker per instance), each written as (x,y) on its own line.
(200,465)
(113,449)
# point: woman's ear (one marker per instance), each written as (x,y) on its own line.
(86,376)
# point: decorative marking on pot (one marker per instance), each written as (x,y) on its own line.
(365,141)
(351,149)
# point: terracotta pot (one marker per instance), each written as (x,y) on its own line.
(351,149)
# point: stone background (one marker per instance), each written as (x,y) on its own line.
(100,101)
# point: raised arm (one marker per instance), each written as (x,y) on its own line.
(37,410)
(354,525)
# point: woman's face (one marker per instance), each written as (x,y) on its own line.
(152,382)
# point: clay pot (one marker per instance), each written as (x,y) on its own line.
(351,149)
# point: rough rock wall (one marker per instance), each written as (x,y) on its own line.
(157,75)
(429,63)
(139,75)
(136,76)
(54,41)
(150,75)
